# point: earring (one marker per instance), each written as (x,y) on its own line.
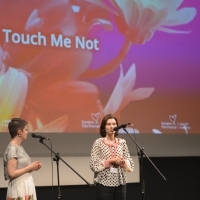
(104,130)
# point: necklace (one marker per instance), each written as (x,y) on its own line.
(111,143)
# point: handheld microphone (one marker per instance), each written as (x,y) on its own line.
(121,126)
(34,135)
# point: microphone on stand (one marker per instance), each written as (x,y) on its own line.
(34,135)
(121,126)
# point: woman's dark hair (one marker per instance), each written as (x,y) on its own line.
(104,122)
(14,125)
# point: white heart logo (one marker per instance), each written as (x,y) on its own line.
(95,117)
(173,119)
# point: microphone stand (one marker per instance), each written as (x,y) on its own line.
(141,154)
(57,158)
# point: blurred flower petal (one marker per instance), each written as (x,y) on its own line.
(130,75)
(34,22)
(142,18)
(106,24)
(168,30)
(101,4)
(129,130)
(13,91)
(67,97)
(116,96)
(182,16)
(122,94)
(3,56)
(156,131)
(58,125)
(53,66)
(140,94)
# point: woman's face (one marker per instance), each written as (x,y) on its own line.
(111,123)
(23,133)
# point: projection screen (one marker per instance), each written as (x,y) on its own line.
(65,64)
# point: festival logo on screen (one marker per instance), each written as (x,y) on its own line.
(4,124)
(93,123)
(174,124)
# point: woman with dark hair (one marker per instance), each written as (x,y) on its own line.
(109,161)
(17,164)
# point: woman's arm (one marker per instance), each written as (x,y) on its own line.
(14,173)
(129,164)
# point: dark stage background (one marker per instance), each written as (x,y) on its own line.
(183,181)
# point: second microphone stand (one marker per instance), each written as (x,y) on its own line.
(141,155)
(57,158)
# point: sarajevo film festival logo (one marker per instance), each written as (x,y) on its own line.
(95,117)
(172,118)
(93,123)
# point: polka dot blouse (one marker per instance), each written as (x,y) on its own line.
(110,174)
